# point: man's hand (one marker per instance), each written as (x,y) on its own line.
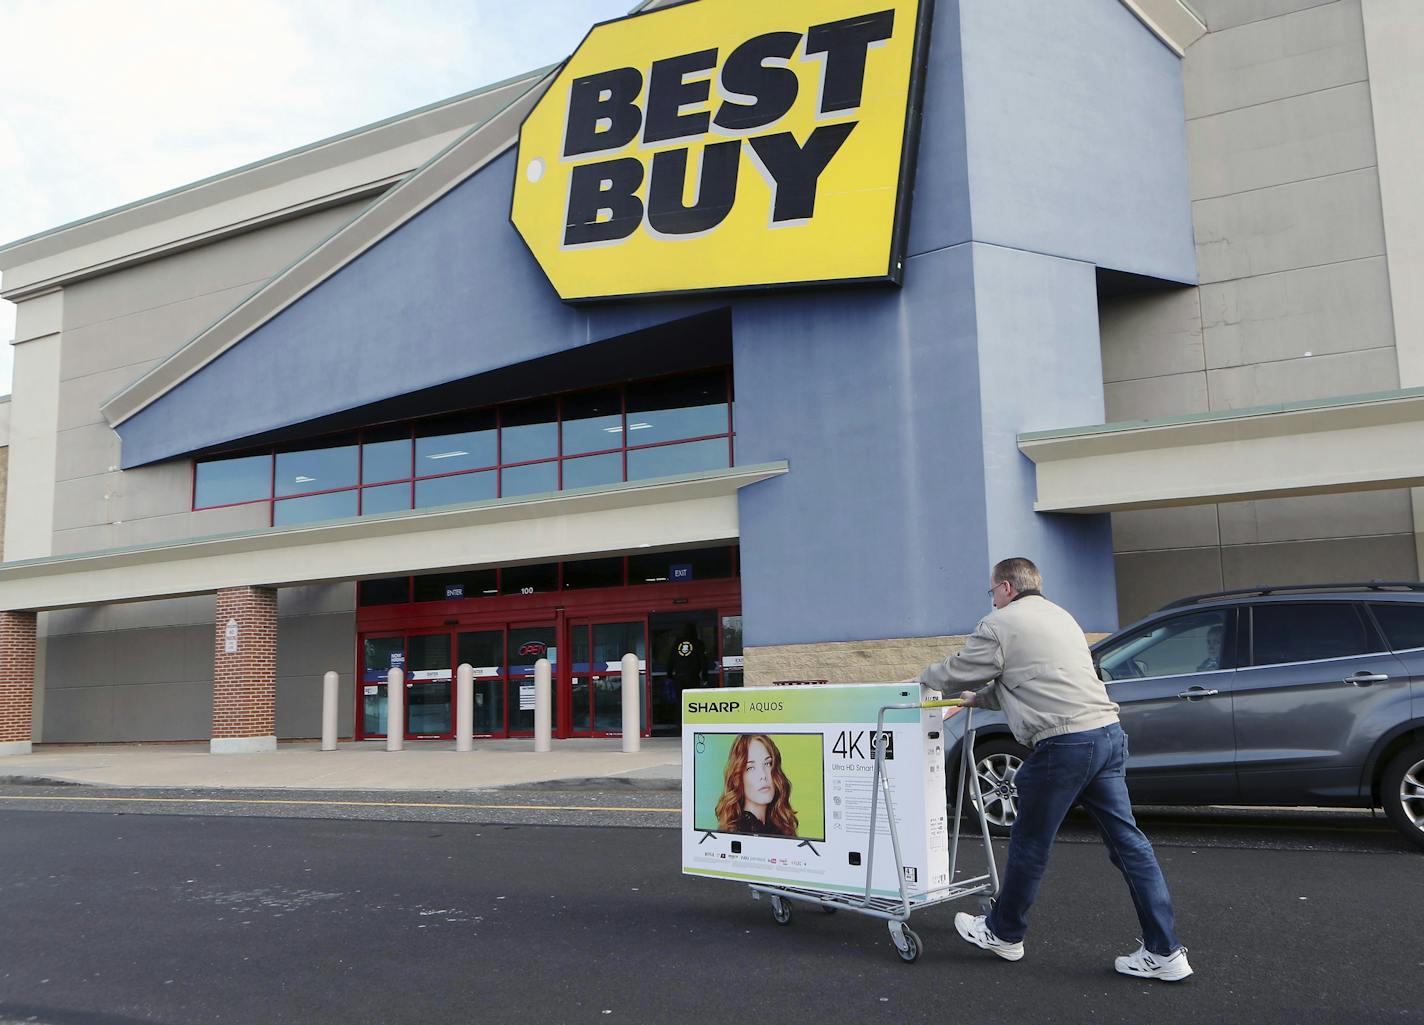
(969,698)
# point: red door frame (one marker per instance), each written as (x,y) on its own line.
(614,604)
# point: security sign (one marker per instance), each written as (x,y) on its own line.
(718,144)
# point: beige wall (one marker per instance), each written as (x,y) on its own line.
(116,328)
(144,671)
(1294,301)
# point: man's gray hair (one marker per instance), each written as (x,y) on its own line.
(1020,572)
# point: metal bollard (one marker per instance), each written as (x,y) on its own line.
(395,710)
(330,689)
(543,718)
(632,704)
(465,708)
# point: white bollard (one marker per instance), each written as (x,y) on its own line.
(395,710)
(543,705)
(330,689)
(465,708)
(632,704)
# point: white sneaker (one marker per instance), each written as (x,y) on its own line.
(974,929)
(1143,964)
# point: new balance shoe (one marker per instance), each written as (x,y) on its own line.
(1143,964)
(974,929)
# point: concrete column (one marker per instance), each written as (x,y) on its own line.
(395,710)
(543,704)
(465,707)
(330,692)
(245,671)
(17,681)
(632,704)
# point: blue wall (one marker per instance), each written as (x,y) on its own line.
(1053,143)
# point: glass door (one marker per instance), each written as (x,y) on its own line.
(428,686)
(684,655)
(526,645)
(596,676)
(484,651)
(379,655)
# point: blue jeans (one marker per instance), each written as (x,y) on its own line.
(1061,771)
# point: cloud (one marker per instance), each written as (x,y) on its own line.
(106,103)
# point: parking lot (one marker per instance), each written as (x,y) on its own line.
(567,906)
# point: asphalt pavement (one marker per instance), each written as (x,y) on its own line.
(171,908)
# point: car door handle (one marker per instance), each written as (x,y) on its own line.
(1365,679)
(1196,693)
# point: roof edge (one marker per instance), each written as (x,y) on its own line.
(463,158)
(221,176)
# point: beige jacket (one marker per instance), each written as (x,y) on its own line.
(1035,660)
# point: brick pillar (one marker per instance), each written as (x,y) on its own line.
(17,681)
(245,671)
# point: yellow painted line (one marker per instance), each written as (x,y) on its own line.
(348,804)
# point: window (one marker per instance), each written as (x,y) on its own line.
(1306,631)
(1403,624)
(1195,643)
(324,468)
(681,567)
(593,573)
(457,586)
(453,444)
(230,481)
(385,591)
(673,408)
(529,579)
(674,425)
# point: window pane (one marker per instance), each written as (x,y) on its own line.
(335,506)
(677,407)
(529,431)
(671,460)
(529,579)
(593,421)
(680,567)
(464,487)
(1304,631)
(386,591)
(593,471)
(452,444)
(593,573)
(316,469)
(1403,624)
(228,481)
(455,586)
(1185,644)
(387,459)
(384,499)
(529,480)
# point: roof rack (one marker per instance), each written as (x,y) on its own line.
(1366,585)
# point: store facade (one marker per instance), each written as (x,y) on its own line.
(744,342)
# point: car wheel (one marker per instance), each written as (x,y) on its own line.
(997,762)
(1402,789)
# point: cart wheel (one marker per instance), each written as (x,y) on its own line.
(910,952)
(781,910)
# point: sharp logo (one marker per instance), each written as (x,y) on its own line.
(718,144)
(704,707)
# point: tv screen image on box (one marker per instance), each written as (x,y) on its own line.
(760,784)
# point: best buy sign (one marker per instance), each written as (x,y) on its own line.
(721,144)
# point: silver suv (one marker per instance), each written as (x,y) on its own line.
(1308,695)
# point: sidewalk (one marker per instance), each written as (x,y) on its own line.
(302,765)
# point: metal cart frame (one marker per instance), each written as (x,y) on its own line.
(897,912)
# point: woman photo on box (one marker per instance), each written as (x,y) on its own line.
(757,796)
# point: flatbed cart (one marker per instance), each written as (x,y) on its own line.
(897,912)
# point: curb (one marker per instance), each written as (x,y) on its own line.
(38,781)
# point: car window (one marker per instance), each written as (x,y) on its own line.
(1306,631)
(1194,643)
(1403,624)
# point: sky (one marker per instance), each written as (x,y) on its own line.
(103,102)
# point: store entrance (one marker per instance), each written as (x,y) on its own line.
(678,612)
